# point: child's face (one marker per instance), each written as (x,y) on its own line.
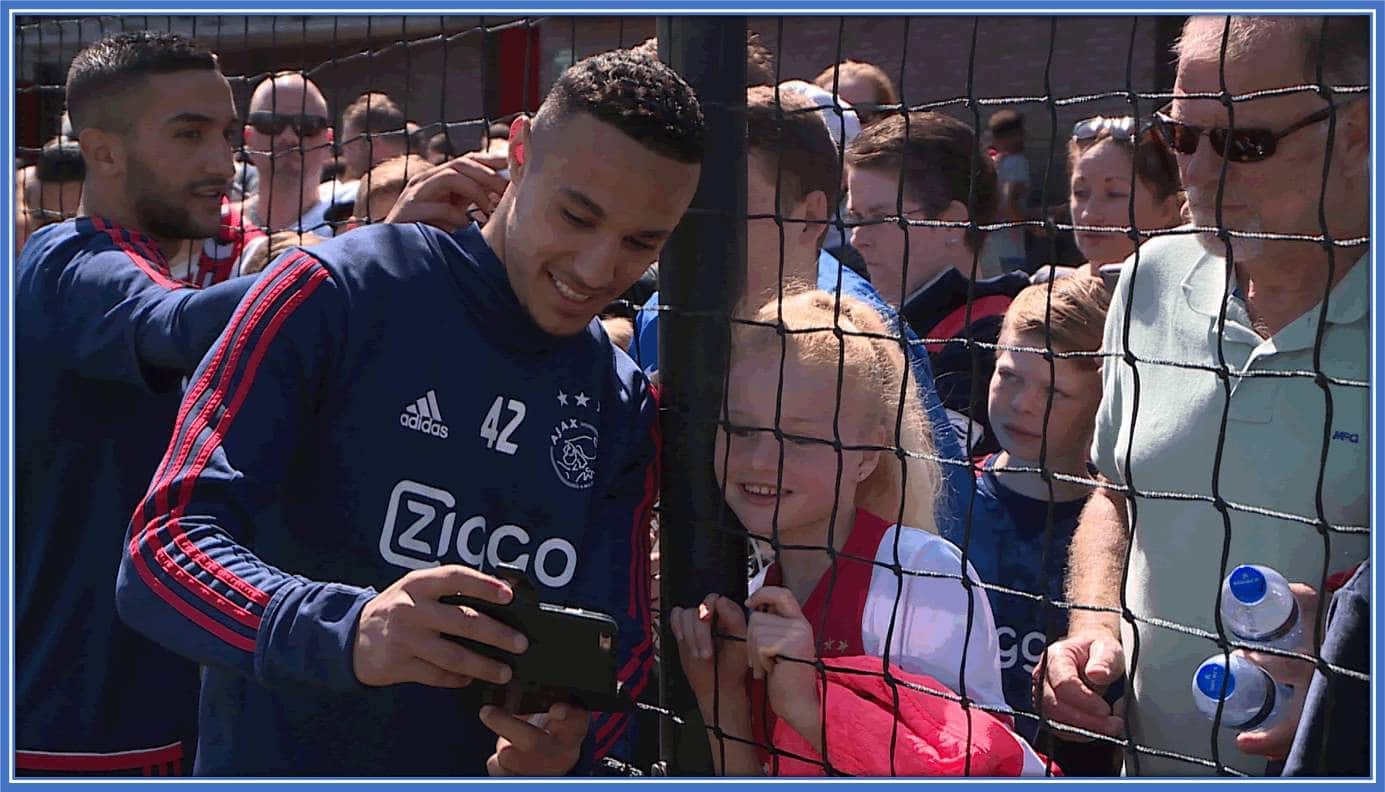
(747,461)
(1019,395)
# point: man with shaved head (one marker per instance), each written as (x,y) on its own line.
(1273,461)
(104,337)
(288,136)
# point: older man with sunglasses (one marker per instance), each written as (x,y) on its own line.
(1234,425)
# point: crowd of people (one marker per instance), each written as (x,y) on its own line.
(338,373)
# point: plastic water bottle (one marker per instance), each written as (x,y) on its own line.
(1253,700)
(1257,605)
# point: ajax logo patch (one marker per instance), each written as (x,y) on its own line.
(572,447)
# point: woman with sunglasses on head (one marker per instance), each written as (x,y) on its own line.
(1102,155)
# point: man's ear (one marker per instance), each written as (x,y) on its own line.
(103,152)
(956,212)
(815,206)
(814,209)
(519,147)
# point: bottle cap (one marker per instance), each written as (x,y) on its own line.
(1248,584)
(1213,681)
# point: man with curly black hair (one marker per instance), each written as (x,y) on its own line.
(397,410)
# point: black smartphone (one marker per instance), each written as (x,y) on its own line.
(571,656)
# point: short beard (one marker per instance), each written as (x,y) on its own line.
(157,210)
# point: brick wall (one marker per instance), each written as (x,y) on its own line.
(1090,56)
(928,56)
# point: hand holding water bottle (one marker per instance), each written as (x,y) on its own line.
(1251,698)
(1260,606)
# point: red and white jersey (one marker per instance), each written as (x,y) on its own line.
(859,606)
(867,716)
(203,262)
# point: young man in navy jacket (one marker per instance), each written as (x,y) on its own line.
(104,336)
(401,409)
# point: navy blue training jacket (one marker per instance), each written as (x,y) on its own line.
(103,337)
(380,404)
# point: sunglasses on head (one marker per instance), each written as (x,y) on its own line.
(267,123)
(1119,127)
(1242,144)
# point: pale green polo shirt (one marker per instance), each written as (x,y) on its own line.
(1271,459)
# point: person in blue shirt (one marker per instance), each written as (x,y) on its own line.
(398,411)
(793,175)
(104,335)
(1021,524)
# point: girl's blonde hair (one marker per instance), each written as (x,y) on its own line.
(875,373)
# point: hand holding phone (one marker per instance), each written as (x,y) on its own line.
(398,635)
(571,654)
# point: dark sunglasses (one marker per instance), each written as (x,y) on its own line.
(1119,127)
(267,123)
(1236,145)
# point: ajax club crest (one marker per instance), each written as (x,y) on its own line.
(572,448)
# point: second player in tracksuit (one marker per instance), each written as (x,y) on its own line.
(104,336)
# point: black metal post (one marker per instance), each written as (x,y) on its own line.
(701,276)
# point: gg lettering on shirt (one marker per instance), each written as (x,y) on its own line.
(381,405)
(1010,545)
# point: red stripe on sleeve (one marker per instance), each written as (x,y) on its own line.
(607,733)
(161,488)
(632,665)
(639,531)
(192,583)
(243,386)
(163,481)
(192,614)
